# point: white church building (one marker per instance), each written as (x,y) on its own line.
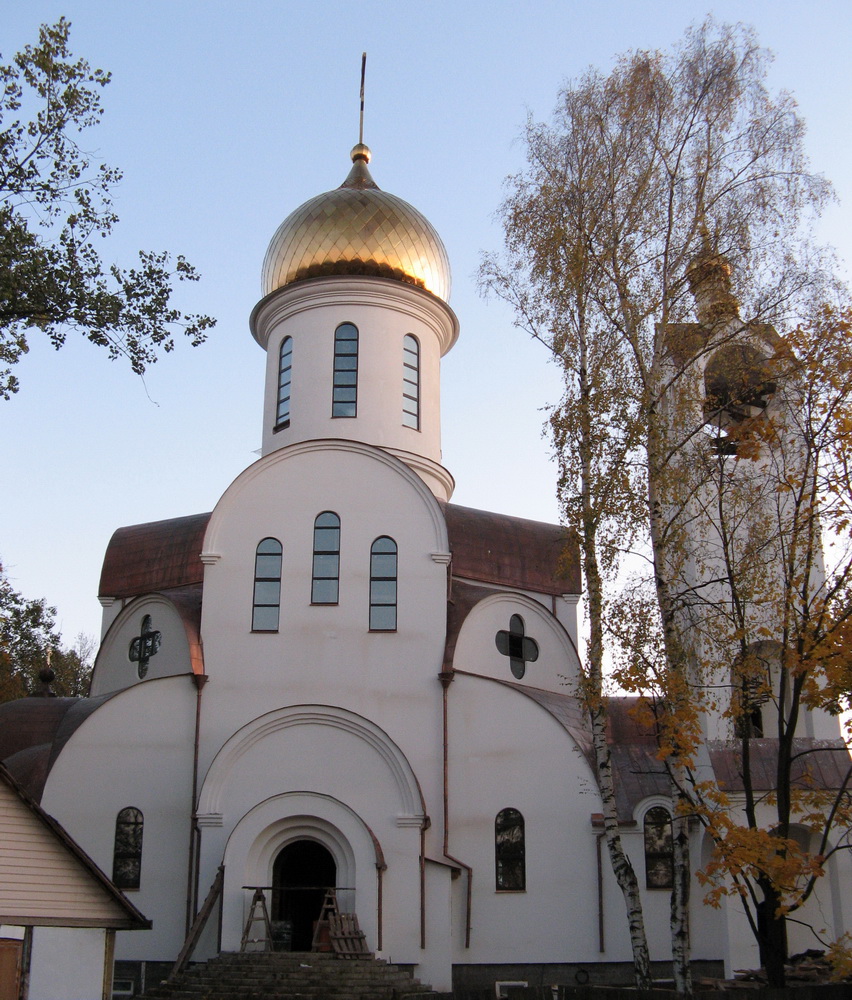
(338,678)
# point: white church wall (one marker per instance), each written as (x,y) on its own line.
(508,752)
(557,667)
(435,968)
(137,751)
(326,653)
(114,668)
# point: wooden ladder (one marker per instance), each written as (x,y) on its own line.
(258,901)
(327,911)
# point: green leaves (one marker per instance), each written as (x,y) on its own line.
(53,203)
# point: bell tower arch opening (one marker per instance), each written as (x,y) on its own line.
(302,872)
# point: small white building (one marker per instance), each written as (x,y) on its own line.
(339,678)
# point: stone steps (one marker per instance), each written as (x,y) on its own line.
(289,975)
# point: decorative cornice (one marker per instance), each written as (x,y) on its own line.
(355,290)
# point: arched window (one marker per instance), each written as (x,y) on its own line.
(127,853)
(383,564)
(659,849)
(520,649)
(345,395)
(411,382)
(509,861)
(326,568)
(285,369)
(267,586)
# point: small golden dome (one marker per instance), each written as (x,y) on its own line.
(357,229)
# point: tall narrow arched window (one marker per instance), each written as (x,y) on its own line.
(267,586)
(509,851)
(659,849)
(285,371)
(127,853)
(345,394)
(411,382)
(383,568)
(326,568)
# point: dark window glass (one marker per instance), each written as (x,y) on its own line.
(326,567)
(127,854)
(520,649)
(383,572)
(659,850)
(411,382)
(345,392)
(144,646)
(509,858)
(285,368)
(267,586)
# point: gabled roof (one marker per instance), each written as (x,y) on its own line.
(46,878)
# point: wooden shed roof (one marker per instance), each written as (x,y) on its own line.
(46,878)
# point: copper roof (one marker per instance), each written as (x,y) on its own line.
(511,551)
(491,548)
(145,558)
(33,731)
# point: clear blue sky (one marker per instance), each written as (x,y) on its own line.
(224,118)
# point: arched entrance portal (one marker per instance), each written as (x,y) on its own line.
(302,871)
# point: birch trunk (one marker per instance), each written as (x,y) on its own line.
(621,865)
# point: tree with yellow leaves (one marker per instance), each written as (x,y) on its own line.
(676,188)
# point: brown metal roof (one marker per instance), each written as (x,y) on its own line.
(33,732)
(817,763)
(511,551)
(160,555)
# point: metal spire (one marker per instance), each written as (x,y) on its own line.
(363,72)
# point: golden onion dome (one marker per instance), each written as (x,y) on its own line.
(357,229)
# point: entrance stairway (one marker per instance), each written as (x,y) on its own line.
(286,975)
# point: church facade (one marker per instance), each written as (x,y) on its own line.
(338,678)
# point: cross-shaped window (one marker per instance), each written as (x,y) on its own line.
(144,646)
(520,649)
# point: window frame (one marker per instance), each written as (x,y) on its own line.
(520,648)
(266,578)
(377,579)
(652,853)
(320,553)
(130,820)
(411,382)
(345,377)
(283,422)
(510,853)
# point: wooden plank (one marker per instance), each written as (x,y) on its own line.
(347,938)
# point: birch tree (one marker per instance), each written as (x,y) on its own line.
(688,160)
(554,210)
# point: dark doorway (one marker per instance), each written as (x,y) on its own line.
(302,872)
